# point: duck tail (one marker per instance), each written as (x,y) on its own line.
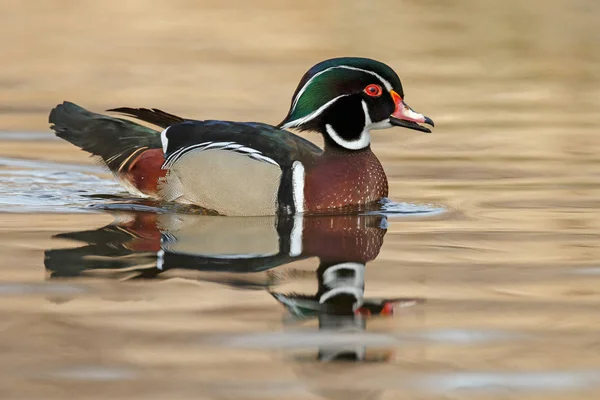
(116,141)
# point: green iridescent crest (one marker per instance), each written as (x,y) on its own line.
(331,79)
(325,88)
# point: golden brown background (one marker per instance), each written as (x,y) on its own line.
(514,89)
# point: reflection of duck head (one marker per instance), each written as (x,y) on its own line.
(340,306)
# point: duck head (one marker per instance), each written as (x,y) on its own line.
(345,98)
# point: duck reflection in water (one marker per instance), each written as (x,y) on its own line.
(233,250)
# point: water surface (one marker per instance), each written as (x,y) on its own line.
(428,301)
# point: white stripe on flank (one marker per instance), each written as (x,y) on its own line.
(298,186)
(176,154)
(386,83)
(260,157)
(313,114)
(298,195)
(296,235)
(164,140)
(231,146)
(219,144)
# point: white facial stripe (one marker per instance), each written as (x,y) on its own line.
(381,124)
(313,114)
(365,137)
(385,82)
(320,110)
(369,124)
(367,115)
(298,186)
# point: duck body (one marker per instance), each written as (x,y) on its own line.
(251,168)
(245,168)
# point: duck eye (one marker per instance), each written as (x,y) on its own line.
(373,90)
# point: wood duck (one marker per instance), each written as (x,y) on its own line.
(250,168)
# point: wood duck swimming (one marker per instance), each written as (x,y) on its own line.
(250,168)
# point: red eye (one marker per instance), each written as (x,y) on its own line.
(373,90)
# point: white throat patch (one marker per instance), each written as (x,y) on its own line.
(365,136)
(363,141)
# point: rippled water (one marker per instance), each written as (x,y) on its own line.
(478,279)
(429,300)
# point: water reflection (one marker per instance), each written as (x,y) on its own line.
(339,306)
(153,243)
(237,251)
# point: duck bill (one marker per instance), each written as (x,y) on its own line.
(406,117)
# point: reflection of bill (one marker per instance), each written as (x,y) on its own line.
(340,307)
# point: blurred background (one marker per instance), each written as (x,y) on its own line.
(511,84)
(514,89)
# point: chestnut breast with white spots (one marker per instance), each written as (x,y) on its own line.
(344,179)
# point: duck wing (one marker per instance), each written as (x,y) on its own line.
(234,168)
